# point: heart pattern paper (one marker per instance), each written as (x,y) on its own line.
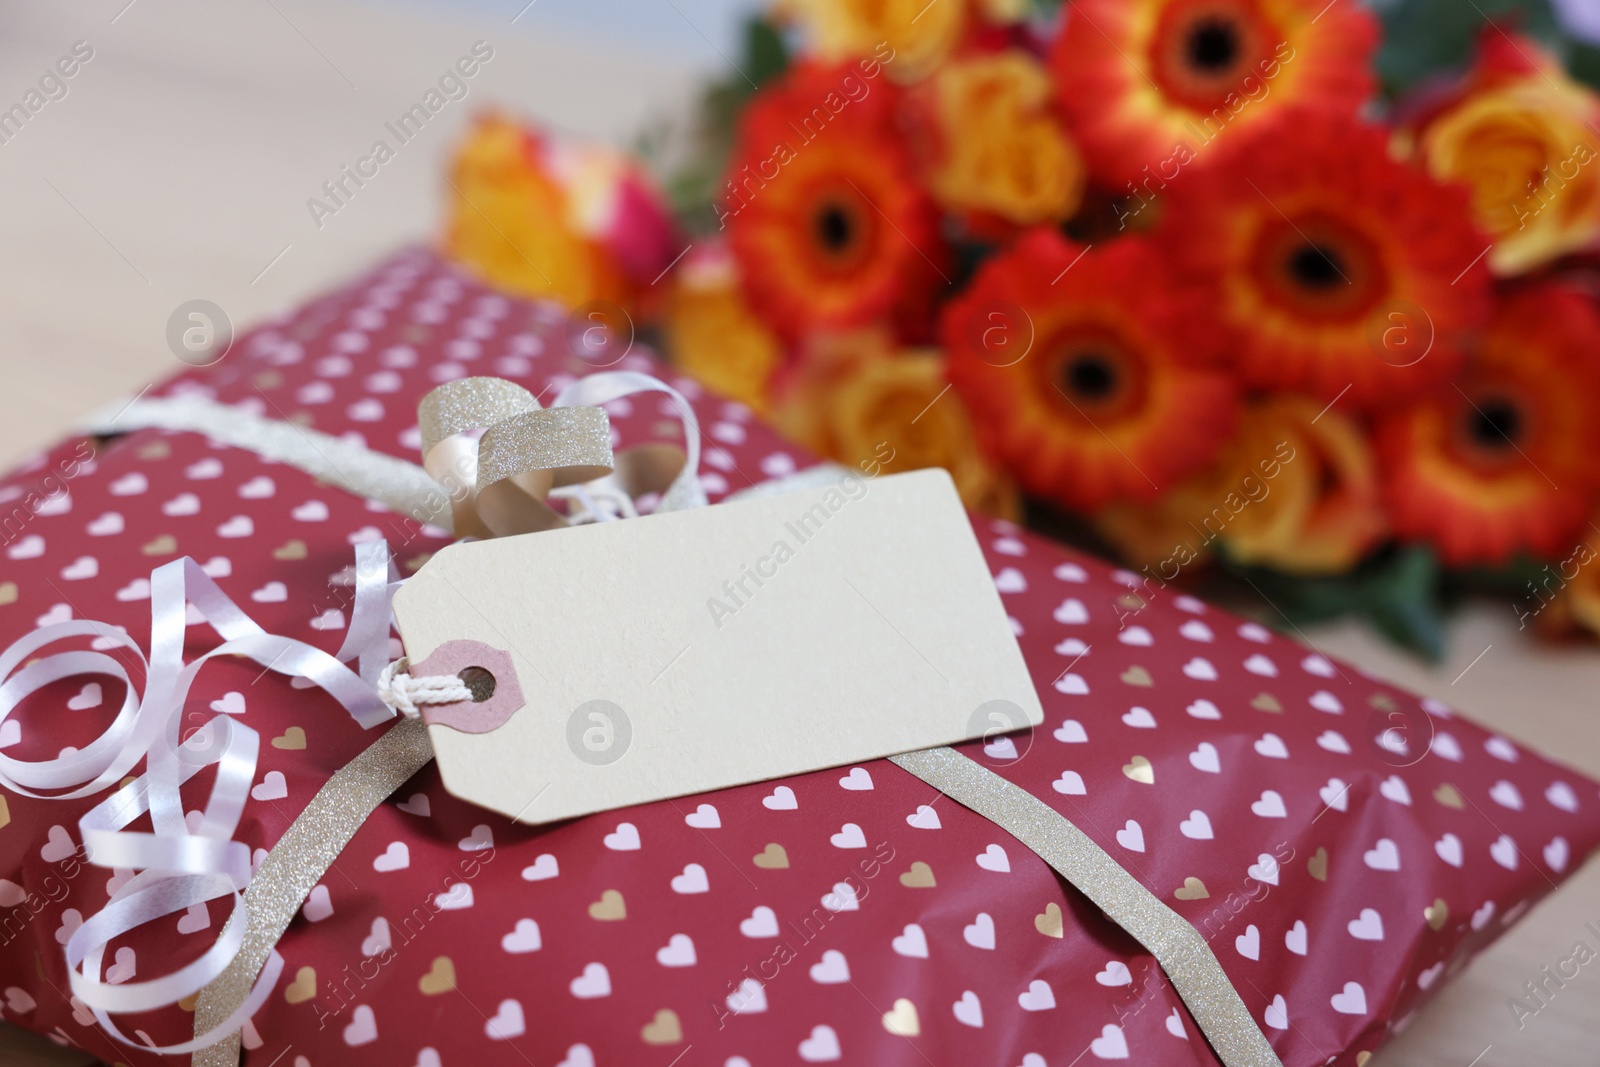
(1343,847)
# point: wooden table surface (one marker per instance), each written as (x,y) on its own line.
(178,166)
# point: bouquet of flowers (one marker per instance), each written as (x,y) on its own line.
(1279,290)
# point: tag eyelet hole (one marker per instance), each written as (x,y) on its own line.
(480,681)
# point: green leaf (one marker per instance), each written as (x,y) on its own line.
(1583,63)
(1402,600)
(1398,590)
(1427,37)
(692,187)
(766,54)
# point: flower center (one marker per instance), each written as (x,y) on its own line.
(1095,372)
(834,228)
(1318,266)
(1089,376)
(1494,424)
(839,231)
(1206,54)
(1213,44)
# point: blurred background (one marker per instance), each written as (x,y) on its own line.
(200,151)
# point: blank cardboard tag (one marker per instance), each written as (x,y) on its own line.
(689,651)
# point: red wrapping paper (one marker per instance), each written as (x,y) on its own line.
(1343,846)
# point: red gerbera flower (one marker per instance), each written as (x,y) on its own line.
(829,227)
(1505,461)
(1141,80)
(1336,270)
(1083,372)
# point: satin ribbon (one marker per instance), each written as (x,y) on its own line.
(177,866)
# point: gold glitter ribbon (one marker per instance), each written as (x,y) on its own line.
(297,863)
(1183,954)
(498,482)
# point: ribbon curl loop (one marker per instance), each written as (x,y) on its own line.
(503,457)
(178,866)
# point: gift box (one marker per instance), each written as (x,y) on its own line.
(1341,847)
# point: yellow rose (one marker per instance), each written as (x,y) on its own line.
(1569,588)
(508,221)
(1523,142)
(713,335)
(558,220)
(909,37)
(1295,491)
(1000,148)
(855,400)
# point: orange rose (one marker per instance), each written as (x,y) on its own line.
(999,148)
(554,220)
(713,335)
(1569,587)
(1295,490)
(1521,136)
(910,37)
(855,399)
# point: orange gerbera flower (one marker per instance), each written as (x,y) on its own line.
(1339,271)
(1504,461)
(1149,83)
(822,210)
(1084,373)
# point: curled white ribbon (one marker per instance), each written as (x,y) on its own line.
(178,867)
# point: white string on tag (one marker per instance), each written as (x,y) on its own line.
(405,692)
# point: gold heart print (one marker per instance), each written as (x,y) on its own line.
(165,545)
(902,1020)
(1049,923)
(1318,865)
(609,908)
(1192,889)
(771,858)
(1139,770)
(664,1029)
(1137,676)
(1267,702)
(441,978)
(293,739)
(303,988)
(1437,914)
(920,876)
(290,550)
